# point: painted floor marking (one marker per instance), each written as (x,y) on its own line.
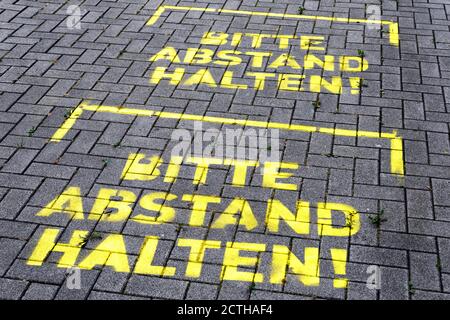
(396,142)
(393,26)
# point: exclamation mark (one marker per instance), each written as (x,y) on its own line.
(355,82)
(339,257)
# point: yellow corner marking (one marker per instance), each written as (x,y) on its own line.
(393,26)
(396,142)
(68,124)
(156,16)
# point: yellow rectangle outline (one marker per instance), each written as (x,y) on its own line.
(396,142)
(393,26)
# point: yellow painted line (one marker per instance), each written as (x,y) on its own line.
(396,142)
(397,164)
(156,16)
(393,26)
(393,33)
(67,125)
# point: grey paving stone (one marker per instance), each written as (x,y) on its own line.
(407,241)
(20,161)
(324,290)
(446,282)
(359,291)
(429,227)
(394,284)
(424,271)
(19,181)
(375,255)
(39,291)
(9,249)
(416,151)
(100,295)
(201,291)
(233,290)
(156,287)
(427,295)
(366,171)
(16,229)
(267,295)
(13,202)
(47,273)
(444,254)
(419,204)
(441,189)
(12,289)
(109,280)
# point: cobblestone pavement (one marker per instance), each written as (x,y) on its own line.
(356,207)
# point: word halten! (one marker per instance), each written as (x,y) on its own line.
(240,259)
